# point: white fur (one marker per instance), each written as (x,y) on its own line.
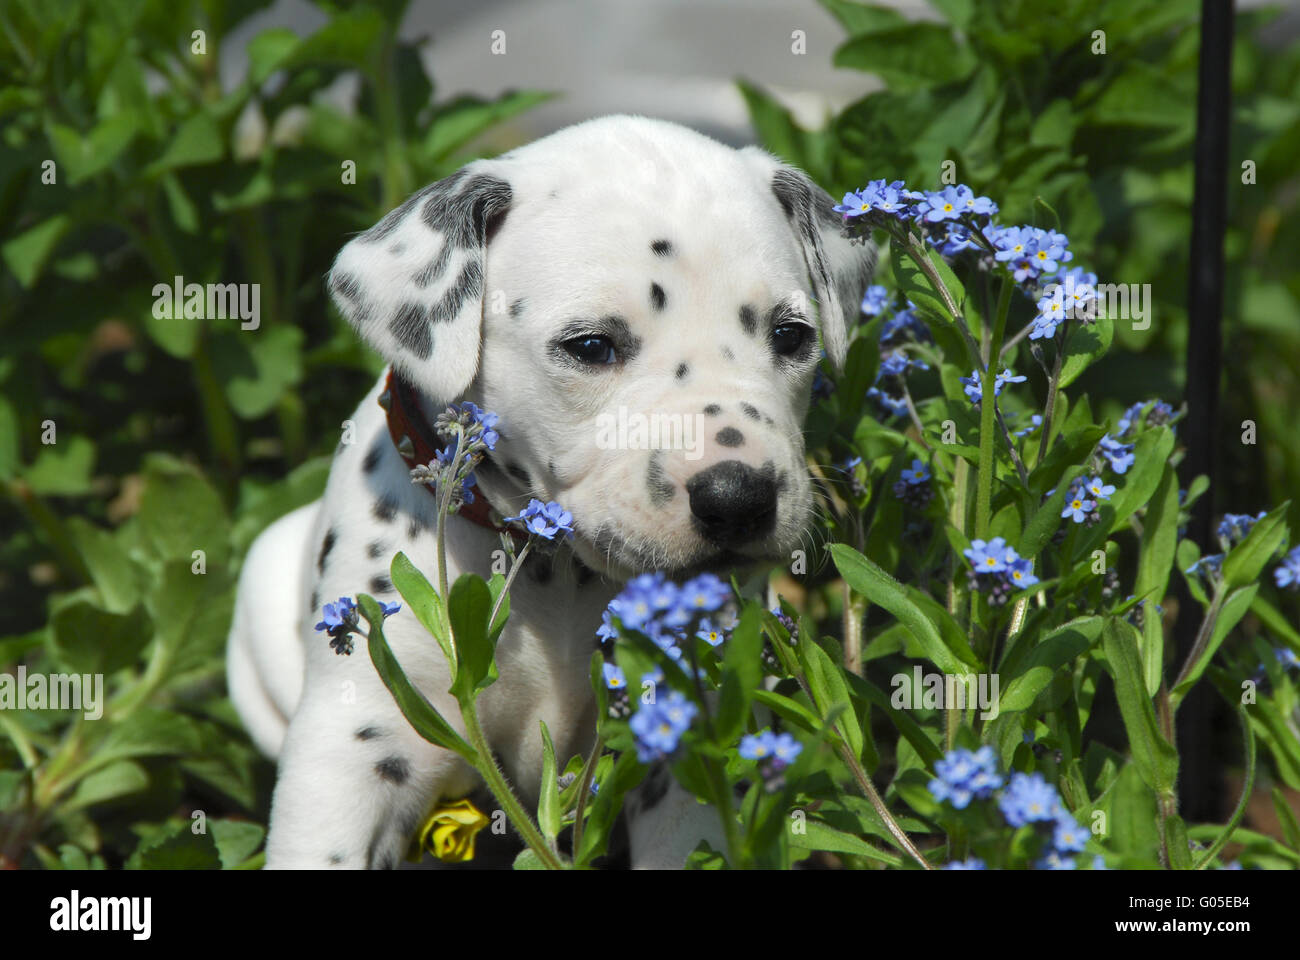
(583,207)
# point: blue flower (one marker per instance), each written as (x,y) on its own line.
(1210,563)
(756,746)
(545,520)
(710,634)
(388,609)
(1067,835)
(946,204)
(1287,574)
(786,748)
(905,321)
(917,475)
(990,557)
(340,622)
(1035,422)
(614,678)
(1020,573)
(850,464)
(705,593)
(1052,860)
(956,239)
(658,726)
(1099,489)
(1077,508)
(1029,799)
(1119,455)
(1235,526)
(895,406)
(1286,656)
(1003,378)
(964,776)
(607,631)
(974,389)
(875,300)
(970,863)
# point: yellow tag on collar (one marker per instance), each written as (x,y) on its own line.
(448,833)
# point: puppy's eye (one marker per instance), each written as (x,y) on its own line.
(595,350)
(789,338)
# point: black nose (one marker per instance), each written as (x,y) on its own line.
(733,503)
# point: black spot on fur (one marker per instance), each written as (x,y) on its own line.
(385,509)
(435,268)
(517,307)
(519,473)
(416,526)
(653,788)
(331,537)
(550,467)
(682,371)
(369,733)
(394,769)
(541,568)
(374,454)
(583,572)
(728,355)
(397,249)
(375,549)
(336,859)
(658,299)
(748,319)
(410,328)
(380,583)
(466,214)
(346,286)
(730,437)
(750,411)
(712,410)
(467,287)
(662,248)
(661,488)
(315,600)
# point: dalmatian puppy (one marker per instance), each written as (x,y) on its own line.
(622,266)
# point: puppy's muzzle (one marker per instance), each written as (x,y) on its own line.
(732,503)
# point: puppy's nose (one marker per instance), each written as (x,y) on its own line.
(733,503)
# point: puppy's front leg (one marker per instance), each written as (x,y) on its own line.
(355,782)
(665,822)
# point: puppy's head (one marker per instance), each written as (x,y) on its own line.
(641,306)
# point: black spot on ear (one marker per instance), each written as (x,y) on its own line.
(730,437)
(380,583)
(584,573)
(748,319)
(467,214)
(369,733)
(728,355)
(520,474)
(375,549)
(435,268)
(385,509)
(658,299)
(346,286)
(661,488)
(682,371)
(410,328)
(662,248)
(466,287)
(394,769)
(331,537)
(374,454)
(750,411)
(517,307)
(712,410)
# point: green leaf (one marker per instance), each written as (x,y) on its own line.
(236,840)
(468,609)
(1247,790)
(1155,558)
(423,600)
(192,612)
(916,286)
(86,639)
(1053,653)
(353,39)
(742,675)
(1247,559)
(1151,453)
(883,590)
(1155,758)
(1230,612)
(183,849)
(198,140)
(528,860)
(1087,342)
(180,512)
(826,681)
(27,253)
(149,732)
(1180,854)
(267,51)
(117,780)
(791,710)
(549,814)
(419,713)
(112,569)
(256,367)
(62,469)
(908,57)
(459,121)
(1286,817)
(816,835)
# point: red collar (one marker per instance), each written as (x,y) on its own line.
(417,442)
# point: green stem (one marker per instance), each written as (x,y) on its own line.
(510,578)
(1045,436)
(984,481)
(505,796)
(584,790)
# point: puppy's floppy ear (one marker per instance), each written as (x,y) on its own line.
(413,284)
(840,270)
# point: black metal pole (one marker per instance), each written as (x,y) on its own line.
(1201,772)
